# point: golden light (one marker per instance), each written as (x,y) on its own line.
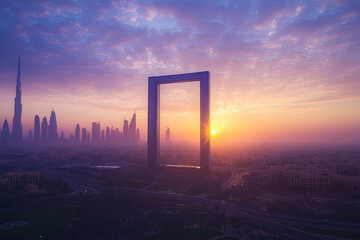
(213,131)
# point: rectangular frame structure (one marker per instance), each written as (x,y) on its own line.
(153,150)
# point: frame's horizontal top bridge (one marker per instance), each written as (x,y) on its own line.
(186,77)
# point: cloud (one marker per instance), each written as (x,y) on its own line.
(254,49)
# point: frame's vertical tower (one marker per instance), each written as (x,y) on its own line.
(205,131)
(154,115)
(153,124)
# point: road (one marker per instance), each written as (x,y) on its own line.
(230,180)
(275,221)
(135,217)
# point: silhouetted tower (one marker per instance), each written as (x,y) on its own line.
(83,135)
(44,130)
(103,136)
(53,133)
(137,135)
(16,135)
(95,133)
(132,129)
(88,138)
(112,135)
(126,131)
(77,133)
(167,135)
(5,134)
(37,129)
(108,136)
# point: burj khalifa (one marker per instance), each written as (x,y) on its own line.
(16,134)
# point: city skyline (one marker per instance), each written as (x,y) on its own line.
(48,133)
(41,135)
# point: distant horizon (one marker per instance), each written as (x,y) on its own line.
(194,139)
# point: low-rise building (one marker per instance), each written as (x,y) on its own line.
(20,181)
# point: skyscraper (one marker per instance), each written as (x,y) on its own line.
(5,134)
(108,135)
(132,129)
(44,130)
(137,135)
(77,133)
(95,133)
(102,136)
(83,135)
(53,133)
(126,131)
(112,135)
(16,135)
(167,135)
(37,129)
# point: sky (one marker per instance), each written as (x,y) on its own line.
(281,71)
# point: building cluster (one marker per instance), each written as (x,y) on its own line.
(308,177)
(20,182)
(129,135)
(47,131)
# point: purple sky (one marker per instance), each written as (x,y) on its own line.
(266,58)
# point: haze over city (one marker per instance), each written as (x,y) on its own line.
(165,119)
(281,71)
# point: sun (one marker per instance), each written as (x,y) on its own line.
(213,131)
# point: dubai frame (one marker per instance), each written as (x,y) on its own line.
(153,142)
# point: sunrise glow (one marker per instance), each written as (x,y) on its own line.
(276,71)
